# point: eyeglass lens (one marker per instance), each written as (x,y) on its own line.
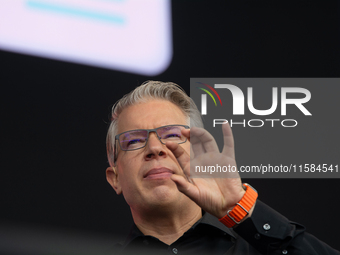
(136,139)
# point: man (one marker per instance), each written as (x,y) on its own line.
(150,149)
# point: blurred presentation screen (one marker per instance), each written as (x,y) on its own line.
(126,35)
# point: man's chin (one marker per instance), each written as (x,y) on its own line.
(159,180)
(165,193)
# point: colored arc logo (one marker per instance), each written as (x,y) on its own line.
(209,93)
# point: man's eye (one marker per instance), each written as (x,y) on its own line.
(134,141)
(172,136)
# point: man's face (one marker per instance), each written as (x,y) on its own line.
(140,187)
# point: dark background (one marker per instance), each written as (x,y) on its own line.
(54,116)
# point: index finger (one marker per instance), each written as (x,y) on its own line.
(181,155)
(202,141)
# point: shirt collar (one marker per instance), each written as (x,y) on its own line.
(207,219)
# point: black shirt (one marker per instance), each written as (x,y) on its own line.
(266,232)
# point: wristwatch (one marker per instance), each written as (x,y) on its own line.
(241,209)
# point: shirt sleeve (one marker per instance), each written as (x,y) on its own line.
(271,233)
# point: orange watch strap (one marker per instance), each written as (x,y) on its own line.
(241,208)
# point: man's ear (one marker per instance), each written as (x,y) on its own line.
(112,178)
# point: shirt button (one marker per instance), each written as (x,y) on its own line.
(257,236)
(266,226)
(146,242)
(284,252)
(174,250)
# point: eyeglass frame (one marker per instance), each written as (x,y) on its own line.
(147,137)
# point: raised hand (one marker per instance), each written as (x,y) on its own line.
(215,193)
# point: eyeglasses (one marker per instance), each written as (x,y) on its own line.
(137,139)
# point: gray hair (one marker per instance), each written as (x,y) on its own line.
(147,91)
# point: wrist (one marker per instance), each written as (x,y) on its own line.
(242,209)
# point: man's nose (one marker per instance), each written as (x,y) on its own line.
(154,147)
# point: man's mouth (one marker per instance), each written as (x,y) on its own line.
(158,173)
